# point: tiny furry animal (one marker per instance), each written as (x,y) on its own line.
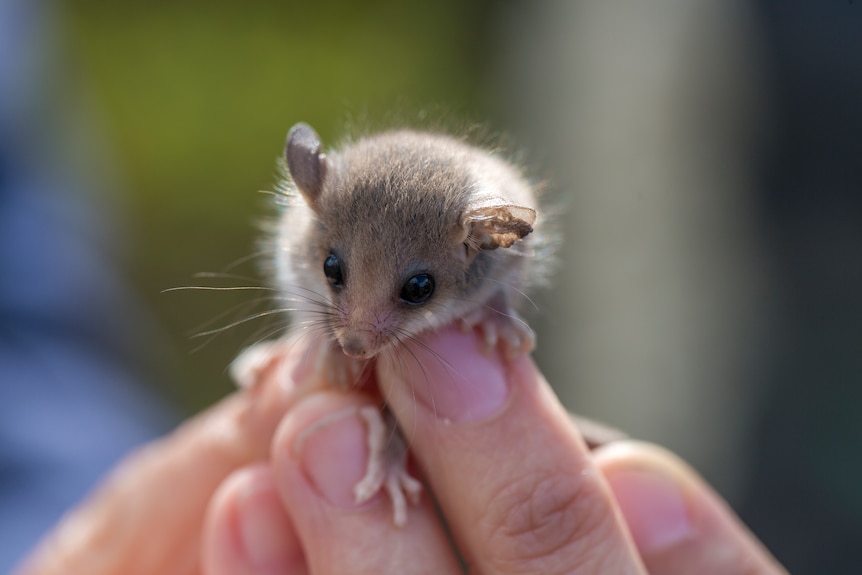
(389,236)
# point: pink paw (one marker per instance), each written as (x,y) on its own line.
(505,329)
(328,364)
(254,361)
(387,466)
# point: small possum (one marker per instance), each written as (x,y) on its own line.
(390,236)
(403,232)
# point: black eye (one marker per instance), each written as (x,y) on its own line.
(417,289)
(332,270)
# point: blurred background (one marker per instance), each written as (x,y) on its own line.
(707,155)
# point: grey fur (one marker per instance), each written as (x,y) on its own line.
(396,204)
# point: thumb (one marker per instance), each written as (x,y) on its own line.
(679,524)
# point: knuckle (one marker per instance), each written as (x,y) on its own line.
(542,518)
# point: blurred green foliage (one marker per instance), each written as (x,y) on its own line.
(197,98)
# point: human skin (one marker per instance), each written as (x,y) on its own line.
(262,483)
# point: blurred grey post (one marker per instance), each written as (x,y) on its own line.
(643,112)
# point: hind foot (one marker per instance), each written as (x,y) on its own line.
(387,466)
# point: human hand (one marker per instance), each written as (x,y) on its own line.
(146,516)
(519,491)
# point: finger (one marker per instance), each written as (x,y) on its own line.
(680,525)
(511,473)
(319,455)
(247,531)
(164,489)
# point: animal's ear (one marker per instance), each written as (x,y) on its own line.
(306,164)
(497,224)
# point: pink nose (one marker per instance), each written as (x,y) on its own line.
(354,347)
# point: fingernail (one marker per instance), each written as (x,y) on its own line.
(265,531)
(333,455)
(453,376)
(654,507)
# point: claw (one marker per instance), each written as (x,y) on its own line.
(504,329)
(387,467)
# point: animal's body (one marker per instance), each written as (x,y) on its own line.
(390,236)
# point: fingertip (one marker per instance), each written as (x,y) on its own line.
(678,523)
(510,472)
(320,454)
(321,445)
(247,529)
(650,489)
(450,373)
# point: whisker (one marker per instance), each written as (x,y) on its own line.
(405,345)
(515,289)
(254,255)
(244,320)
(224,276)
(402,367)
(271,193)
(322,299)
(214,288)
(247,306)
(511,316)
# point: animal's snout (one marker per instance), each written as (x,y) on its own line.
(355,346)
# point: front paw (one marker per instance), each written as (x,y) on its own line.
(253,362)
(504,329)
(326,364)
